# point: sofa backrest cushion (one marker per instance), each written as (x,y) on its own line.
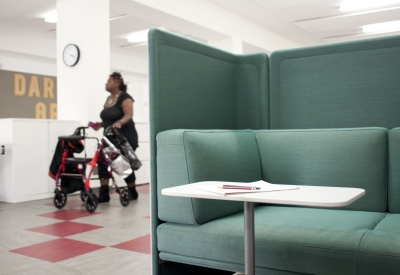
(188,156)
(354,84)
(394,171)
(328,157)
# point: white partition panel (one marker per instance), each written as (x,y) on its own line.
(30,159)
(24,167)
(6,173)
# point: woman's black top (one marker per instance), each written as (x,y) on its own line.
(112,114)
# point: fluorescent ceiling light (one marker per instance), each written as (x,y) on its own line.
(354,5)
(51,17)
(382,27)
(140,36)
(118,17)
(137,37)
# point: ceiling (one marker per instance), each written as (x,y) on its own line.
(312,22)
(307,22)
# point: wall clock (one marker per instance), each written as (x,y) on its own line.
(71,55)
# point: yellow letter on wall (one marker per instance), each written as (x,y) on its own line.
(40,110)
(53,111)
(19,84)
(33,87)
(48,85)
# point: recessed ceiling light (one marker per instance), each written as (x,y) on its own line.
(383,27)
(51,17)
(353,5)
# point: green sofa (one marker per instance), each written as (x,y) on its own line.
(324,115)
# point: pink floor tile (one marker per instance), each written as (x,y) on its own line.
(141,245)
(57,250)
(64,229)
(68,214)
(70,204)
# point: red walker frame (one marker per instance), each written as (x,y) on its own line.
(87,196)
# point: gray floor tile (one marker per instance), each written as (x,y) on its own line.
(120,224)
(111,261)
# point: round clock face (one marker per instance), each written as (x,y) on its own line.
(71,55)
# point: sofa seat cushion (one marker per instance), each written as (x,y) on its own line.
(380,248)
(294,239)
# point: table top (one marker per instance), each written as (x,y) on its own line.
(318,196)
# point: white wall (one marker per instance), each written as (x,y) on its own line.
(26,52)
(26,63)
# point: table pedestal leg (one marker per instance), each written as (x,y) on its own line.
(249,259)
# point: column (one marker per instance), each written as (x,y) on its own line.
(81,88)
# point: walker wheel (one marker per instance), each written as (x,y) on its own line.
(124,197)
(84,195)
(60,199)
(91,202)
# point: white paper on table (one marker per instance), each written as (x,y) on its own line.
(263,185)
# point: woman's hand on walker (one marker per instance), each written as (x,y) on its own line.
(117,125)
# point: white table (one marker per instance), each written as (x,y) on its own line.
(317,196)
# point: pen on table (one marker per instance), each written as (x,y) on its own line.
(239,187)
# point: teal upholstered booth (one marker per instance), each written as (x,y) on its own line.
(324,115)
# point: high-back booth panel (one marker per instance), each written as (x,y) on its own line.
(353,84)
(323,115)
(194,86)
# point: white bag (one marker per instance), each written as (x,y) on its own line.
(118,163)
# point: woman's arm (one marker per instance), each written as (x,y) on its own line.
(127,109)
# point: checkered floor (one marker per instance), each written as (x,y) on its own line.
(37,238)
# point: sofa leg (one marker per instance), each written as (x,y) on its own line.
(161,261)
(174,268)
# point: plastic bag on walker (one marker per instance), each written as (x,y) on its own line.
(130,155)
(118,163)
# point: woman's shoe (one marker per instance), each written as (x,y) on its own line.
(134,193)
(104,195)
